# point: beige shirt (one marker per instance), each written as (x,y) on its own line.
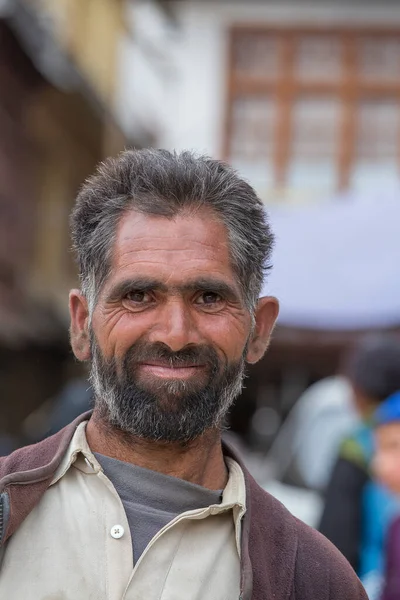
(76,543)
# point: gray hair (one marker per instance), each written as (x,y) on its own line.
(163,183)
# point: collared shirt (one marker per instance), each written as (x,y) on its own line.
(76,544)
(151,499)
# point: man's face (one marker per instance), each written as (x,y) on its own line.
(170,331)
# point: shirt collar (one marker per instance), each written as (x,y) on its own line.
(80,455)
(235,489)
(234,497)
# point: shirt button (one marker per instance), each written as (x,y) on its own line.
(117,532)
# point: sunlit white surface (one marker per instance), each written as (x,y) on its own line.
(337,264)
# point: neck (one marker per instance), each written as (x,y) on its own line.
(200,461)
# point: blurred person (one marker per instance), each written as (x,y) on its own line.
(140,499)
(306,447)
(358,510)
(7,443)
(387,468)
(74,398)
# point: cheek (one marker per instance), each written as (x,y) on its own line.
(117,332)
(387,468)
(230,338)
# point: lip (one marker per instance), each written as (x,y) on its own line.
(166,372)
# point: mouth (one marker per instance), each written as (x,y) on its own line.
(165,371)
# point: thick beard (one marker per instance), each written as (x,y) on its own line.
(176,410)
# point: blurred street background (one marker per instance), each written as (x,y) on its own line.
(303,98)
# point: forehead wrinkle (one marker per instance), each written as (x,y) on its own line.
(187,265)
(185,255)
(213,248)
(193,232)
(133,258)
(166,239)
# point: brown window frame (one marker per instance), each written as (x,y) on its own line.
(349,89)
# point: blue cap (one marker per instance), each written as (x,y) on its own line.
(389,410)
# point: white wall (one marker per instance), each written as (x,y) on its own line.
(145,72)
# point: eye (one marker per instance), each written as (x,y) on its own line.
(208,298)
(139,297)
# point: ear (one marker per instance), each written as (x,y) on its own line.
(265,316)
(79,330)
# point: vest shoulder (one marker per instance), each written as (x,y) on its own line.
(321,570)
(300,555)
(37,460)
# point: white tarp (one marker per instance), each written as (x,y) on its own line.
(337,265)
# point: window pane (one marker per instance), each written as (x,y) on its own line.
(252,141)
(319,57)
(378,129)
(257,55)
(377,144)
(379,58)
(315,127)
(253,128)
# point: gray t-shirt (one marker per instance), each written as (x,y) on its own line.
(152,499)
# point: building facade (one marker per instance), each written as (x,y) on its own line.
(303,97)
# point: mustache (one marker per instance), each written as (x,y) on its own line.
(191,355)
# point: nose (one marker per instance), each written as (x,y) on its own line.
(175,326)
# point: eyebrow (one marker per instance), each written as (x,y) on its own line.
(146,284)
